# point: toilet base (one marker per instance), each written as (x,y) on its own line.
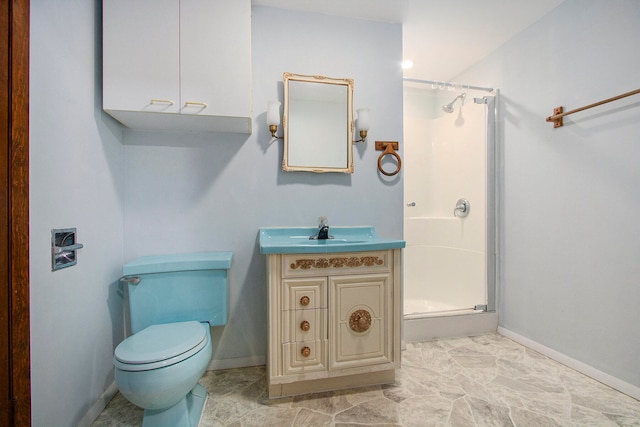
(186,412)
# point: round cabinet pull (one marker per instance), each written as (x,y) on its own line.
(360,321)
(305,300)
(305,326)
(306,351)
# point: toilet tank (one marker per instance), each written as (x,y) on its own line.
(177,288)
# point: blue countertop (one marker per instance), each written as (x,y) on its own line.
(295,240)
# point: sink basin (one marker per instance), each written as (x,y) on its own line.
(287,240)
(334,241)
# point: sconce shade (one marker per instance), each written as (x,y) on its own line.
(362,123)
(273,113)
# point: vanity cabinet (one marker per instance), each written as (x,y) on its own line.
(334,320)
(178,64)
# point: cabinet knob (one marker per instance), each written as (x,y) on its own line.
(305,300)
(305,326)
(306,351)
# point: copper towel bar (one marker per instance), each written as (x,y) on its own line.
(558,114)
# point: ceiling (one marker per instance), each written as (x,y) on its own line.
(442,38)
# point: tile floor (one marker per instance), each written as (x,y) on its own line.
(487,380)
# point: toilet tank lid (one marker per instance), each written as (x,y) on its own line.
(178,262)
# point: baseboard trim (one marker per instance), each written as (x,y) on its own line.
(238,362)
(94,412)
(590,371)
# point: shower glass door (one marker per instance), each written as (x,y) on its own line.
(448,220)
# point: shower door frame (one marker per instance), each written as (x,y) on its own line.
(492,205)
(492,198)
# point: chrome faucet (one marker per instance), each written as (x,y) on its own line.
(323,230)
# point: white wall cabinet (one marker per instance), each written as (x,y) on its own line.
(334,320)
(178,64)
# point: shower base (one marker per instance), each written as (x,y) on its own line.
(418,308)
(432,325)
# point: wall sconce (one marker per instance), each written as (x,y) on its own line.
(273,118)
(362,123)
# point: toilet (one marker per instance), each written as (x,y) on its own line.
(173,299)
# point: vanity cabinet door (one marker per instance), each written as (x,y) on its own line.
(141,51)
(361,309)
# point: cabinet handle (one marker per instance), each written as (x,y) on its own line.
(195,104)
(305,326)
(162,101)
(305,300)
(306,351)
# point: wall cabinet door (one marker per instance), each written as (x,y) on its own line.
(141,55)
(215,57)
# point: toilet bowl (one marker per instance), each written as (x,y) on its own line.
(173,301)
(158,369)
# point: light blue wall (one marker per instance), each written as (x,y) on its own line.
(213,192)
(76,180)
(570,247)
(569,244)
(183,192)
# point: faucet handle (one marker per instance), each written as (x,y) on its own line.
(323,221)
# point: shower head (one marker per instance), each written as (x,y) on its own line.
(449,107)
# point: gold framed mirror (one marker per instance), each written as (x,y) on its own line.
(318,124)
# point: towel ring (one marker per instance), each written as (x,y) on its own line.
(389,148)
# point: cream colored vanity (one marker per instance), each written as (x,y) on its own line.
(334,317)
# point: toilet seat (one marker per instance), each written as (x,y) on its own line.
(158,346)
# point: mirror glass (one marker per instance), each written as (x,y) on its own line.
(318,124)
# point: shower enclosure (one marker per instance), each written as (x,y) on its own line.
(449,219)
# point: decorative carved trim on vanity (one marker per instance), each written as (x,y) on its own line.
(306,264)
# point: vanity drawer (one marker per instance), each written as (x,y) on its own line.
(304,293)
(297,265)
(306,356)
(304,325)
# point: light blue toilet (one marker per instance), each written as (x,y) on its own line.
(172,301)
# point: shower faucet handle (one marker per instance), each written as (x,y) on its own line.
(462,208)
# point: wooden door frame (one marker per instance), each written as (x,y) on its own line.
(14,213)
